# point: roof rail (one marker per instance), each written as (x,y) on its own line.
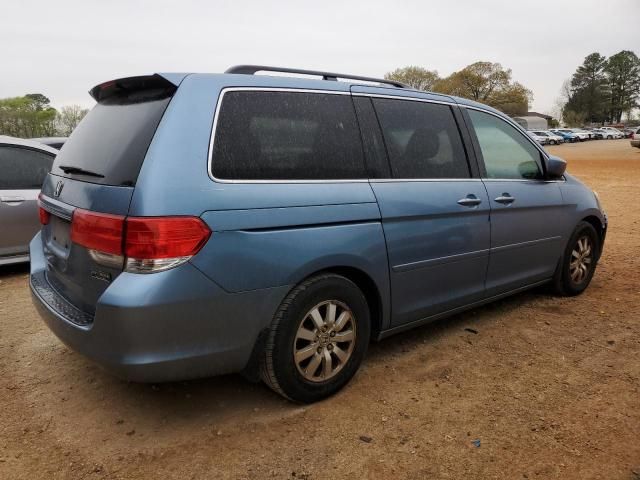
(252,69)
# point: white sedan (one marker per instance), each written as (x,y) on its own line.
(542,140)
(611,133)
(553,139)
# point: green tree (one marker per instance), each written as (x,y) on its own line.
(573,119)
(488,83)
(27,116)
(622,72)
(416,77)
(589,90)
(38,101)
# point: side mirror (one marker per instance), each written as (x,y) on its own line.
(555,168)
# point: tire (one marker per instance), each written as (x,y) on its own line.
(609,137)
(552,142)
(567,281)
(307,307)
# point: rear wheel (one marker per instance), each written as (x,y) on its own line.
(317,340)
(579,261)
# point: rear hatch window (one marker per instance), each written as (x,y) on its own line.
(109,145)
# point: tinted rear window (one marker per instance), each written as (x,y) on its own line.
(112,140)
(287,136)
(422,139)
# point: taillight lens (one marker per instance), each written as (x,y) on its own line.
(98,231)
(42,213)
(164,237)
(151,244)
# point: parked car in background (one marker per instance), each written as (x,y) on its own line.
(598,134)
(554,139)
(541,139)
(23,166)
(566,135)
(582,134)
(611,133)
(635,141)
(628,132)
(55,142)
(304,218)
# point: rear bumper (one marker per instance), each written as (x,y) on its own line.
(166,326)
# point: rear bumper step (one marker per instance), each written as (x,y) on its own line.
(52,299)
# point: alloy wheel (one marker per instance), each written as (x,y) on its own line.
(581,260)
(324,341)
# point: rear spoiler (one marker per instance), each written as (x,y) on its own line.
(164,84)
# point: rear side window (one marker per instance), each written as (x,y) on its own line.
(286,136)
(23,168)
(112,140)
(422,139)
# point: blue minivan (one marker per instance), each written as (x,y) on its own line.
(204,224)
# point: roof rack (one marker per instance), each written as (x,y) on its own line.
(252,69)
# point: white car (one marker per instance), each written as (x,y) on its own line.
(635,141)
(611,133)
(554,138)
(582,134)
(541,139)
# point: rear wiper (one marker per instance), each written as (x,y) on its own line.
(78,170)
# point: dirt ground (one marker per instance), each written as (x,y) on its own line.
(547,388)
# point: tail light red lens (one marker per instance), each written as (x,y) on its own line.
(44,216)
(164,237)
(98,231)
(42,213)
(143,239)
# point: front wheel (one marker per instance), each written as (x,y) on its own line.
(317,339)
(579,261)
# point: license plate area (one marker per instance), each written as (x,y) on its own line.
(60,232)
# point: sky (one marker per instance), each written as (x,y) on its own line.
(63,48)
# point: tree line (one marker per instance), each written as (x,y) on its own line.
(485,82)
(602,89)
(33,116)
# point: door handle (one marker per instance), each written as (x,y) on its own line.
(505,199)
(470,201)
(11,200)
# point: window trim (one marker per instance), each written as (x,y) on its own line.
(216,116)
(33,149)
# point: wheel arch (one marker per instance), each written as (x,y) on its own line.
(596,223)
(368,287)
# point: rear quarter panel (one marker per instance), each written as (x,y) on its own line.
(264,234)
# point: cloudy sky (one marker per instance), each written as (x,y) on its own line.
(63,48)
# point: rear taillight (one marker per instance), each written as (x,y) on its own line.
(44,216)
(165,237)
(159,243)
(150,244)
(98,231)
(42,213)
